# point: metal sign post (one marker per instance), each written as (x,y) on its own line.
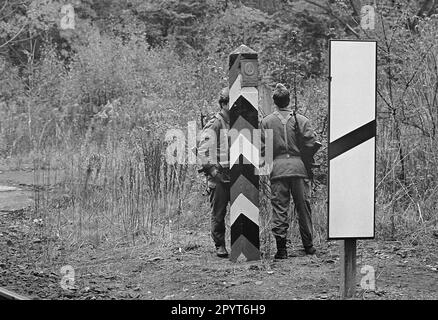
(351,150)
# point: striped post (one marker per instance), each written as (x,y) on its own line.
(244,155)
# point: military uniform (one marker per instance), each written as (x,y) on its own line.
(289,176)
(219,184)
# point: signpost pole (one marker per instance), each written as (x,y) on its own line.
(348,268)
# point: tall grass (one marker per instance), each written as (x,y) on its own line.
(120,195)
(103,130)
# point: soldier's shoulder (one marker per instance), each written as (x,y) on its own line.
(301,117)
(268,118)
(212,120)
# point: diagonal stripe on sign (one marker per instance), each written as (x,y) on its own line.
(352,139)
(243,246)
(245,187)
(242,205)
(242,146)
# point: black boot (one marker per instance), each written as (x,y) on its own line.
(281,248)
(221,251)
(310,250)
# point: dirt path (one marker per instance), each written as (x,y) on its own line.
(186,267)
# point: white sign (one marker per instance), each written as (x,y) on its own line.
(352,138)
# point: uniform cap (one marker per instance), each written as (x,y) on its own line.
(280,91)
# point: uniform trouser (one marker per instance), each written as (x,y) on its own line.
(281,191)
(219,198)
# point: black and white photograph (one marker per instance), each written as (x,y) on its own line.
(218,157)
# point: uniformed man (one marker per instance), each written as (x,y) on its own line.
(214,153)
(292,135)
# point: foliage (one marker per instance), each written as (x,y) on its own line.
(135,68)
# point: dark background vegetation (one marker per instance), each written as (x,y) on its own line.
(93,104)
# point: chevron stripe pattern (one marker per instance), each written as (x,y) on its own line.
(244,155)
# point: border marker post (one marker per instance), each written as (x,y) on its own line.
(244,155)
